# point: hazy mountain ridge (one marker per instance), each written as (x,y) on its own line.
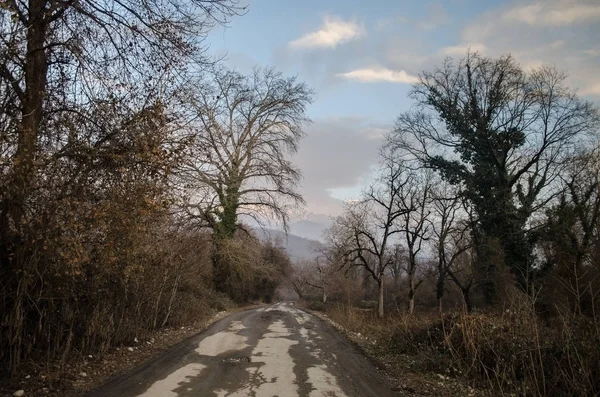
(298,248)
(311,226)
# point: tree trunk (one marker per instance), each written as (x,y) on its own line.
(411,292)
(172,298)
(158,298)
(440,289)
(380,312)
(467,299)
(36,70)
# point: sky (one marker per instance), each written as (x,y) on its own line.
(361,58)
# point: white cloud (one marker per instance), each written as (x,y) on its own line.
(437,16)
(553,14)
(351,144)
(461,49)
(378,74)
(591,90)
(555,34)
(333,32)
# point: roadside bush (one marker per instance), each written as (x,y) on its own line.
(249,270)
(508,351)
(316,305)
(514,352)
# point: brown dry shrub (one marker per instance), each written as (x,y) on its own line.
(513,351)
(505,351)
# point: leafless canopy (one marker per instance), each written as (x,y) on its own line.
(366,231)
(526,123)
(243,131)
(63,62)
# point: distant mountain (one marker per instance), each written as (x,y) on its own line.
(307,229)
(311,226)
(298,248)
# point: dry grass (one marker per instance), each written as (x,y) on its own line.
(503,352)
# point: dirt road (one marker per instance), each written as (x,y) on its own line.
(271,351)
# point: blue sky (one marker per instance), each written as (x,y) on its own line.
(362,56)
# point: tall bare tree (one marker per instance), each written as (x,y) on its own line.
(59,54)
(365,232)
(317,273)
(85,123)
(245,129)
(414,223)
(449,233)
(501,134)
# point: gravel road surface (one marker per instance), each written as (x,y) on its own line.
(277,350)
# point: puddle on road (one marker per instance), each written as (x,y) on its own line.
(223,341)
(275,377)
(323,383)
(165,387)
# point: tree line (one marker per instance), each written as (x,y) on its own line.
(128,161)
(486,188)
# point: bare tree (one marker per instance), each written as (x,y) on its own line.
(244,129)
(572,229)
(462,273)
(322,276)
(315,274)
(300,279)
(449,232)
(59,55)
(242,132)
(366,230)
(85,90)
(414,222)
(501,134)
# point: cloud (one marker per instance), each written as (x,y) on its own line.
(337,153)
(553,14)
(389,22)
(379,74)
(437,16)
(554,34)
(333,32)
(591,90)
(461,49)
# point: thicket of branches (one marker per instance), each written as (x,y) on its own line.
(489,185)
(113,122)
(487,200)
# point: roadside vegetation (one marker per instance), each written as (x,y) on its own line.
(126,156)
(132,163)
(474,255)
